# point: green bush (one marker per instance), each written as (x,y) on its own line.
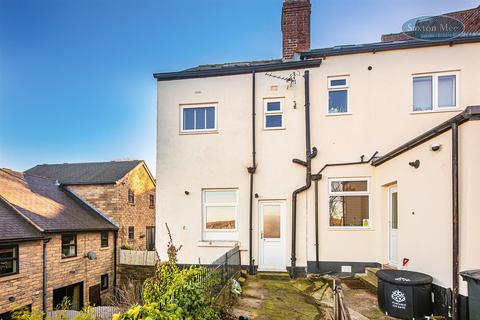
(126,246)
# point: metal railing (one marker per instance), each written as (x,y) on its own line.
(223,269)
(340,309)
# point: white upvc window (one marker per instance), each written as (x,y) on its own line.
(349,202)
(273,114)
(198,118)
(338,95)
(219,210)
(435,92)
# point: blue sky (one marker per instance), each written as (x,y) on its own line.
(76,76)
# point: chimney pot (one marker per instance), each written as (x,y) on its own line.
(295,27)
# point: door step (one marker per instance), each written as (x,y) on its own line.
(369,278)
(270,275)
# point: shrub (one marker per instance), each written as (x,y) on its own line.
(126,246)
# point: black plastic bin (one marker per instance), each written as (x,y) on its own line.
(404,294)
(473,280)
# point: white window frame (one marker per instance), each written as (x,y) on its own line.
(273,113)
(200,105)
(435,76)
(331,87)
(219,234)
(350,193)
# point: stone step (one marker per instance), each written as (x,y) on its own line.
(369,279)
(371,271)
(281,276)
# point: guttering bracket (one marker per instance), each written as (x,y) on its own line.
(316,177)
(313,153)
(300,162)
(252,170)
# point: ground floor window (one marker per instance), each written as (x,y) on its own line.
(9,314)
(220,214)
(349,202)
(73,294)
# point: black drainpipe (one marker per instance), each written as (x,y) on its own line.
(115,241)
(44,279)
(455,216)
(310,154)
(251,171)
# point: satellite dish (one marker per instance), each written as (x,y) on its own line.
(91,255)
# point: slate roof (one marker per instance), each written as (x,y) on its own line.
(85,173)
(47,205)
(13,227)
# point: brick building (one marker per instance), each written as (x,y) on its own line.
(52,245)
(123,190)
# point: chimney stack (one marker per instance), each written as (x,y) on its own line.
(295,27)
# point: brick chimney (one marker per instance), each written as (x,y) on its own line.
(295,27)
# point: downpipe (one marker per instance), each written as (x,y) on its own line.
(310,154)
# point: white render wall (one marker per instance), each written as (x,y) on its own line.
(380,120)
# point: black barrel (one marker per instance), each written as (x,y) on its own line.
(404,294)
(473,280)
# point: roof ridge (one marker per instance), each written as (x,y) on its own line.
(9,172)
(87,162)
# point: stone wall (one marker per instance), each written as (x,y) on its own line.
(112,199)
(24,288)
(62,272)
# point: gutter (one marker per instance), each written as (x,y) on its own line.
(244,69)
(310,154)
(383,46)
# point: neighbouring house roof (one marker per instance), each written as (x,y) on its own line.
(13,227)
(469,17)
(470,113)
(85,173)
(47,205)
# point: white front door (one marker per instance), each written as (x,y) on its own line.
(272,236)
(393,225)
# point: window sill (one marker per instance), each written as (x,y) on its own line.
(10,277)
(69,259)
(217,243)
(350,229)
(197,132)
(274,129)
(104,248)
(455,109)
(338,114)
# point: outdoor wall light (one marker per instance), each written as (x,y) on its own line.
(415,164)
(187,192)
(256,195)
(435,146)
(370,68)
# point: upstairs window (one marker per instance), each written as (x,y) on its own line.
(104,239)
(131,196)
(220,214)
(152,201)
(349,202)
(69,245)
(8,260)
(273,114)
(131,233)
(337,95)
(198,118)
(435,92)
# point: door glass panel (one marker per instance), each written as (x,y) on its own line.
(271,221)
(394,210)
